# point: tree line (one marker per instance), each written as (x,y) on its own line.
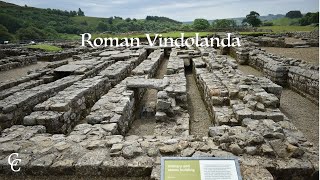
(27,23)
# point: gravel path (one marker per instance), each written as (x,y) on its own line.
(301,111)
(19,72)
(200,120)
(249,70)
(310,55)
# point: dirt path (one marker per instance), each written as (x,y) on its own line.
(200,120)
(19,72)
(310,54)
(146,126)
(301,111)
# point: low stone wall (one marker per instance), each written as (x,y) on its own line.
(16,61)
(150,65)
(304,81)
(56,56)
(15,107)
(59,114)
(296,74)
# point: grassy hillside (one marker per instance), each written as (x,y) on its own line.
(29,23)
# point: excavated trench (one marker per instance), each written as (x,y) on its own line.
(145,125)
(200,120)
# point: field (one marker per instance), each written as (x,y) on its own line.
(45,47)
(278,29)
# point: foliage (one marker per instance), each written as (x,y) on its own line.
(45,47)
(5,35)
(80,12)
(252,19)
(201,24)
(309,18)
(30,33)
(12,24)
(224,23)
(294,14)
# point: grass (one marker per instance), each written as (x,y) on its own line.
(174,34)
(91,21)
(45,47)
(278,29)
(285,21)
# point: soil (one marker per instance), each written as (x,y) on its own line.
(200,120)
(310,55)
(19,72)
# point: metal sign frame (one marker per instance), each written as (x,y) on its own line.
(163,159)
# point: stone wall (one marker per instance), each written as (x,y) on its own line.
(16,61)
(304,81)
(296,74)
(59,114)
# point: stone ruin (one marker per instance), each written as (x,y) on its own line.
(73,117)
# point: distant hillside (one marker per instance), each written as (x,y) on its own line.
(238,20)
(24,23)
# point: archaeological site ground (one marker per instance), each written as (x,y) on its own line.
(81,110)
(114,112)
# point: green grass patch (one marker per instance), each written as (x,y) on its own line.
(254,33)
(45,47)
(91,21)
(285,21)
(278,29)
(175,34)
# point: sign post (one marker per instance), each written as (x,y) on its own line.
(199,168)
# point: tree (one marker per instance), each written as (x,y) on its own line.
(201,24)
(309,18)
(4,34)
(10,22)
(80,12)
(252,19)
(224,23)
(294,14)
(102,27)
(30,33)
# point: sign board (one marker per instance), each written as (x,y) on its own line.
(199,168)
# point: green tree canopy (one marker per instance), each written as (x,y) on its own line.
(224,23)
(30,33)
(294,14)
(4,34)
(80,12)
(310,18)
(252,19)
(201,24)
